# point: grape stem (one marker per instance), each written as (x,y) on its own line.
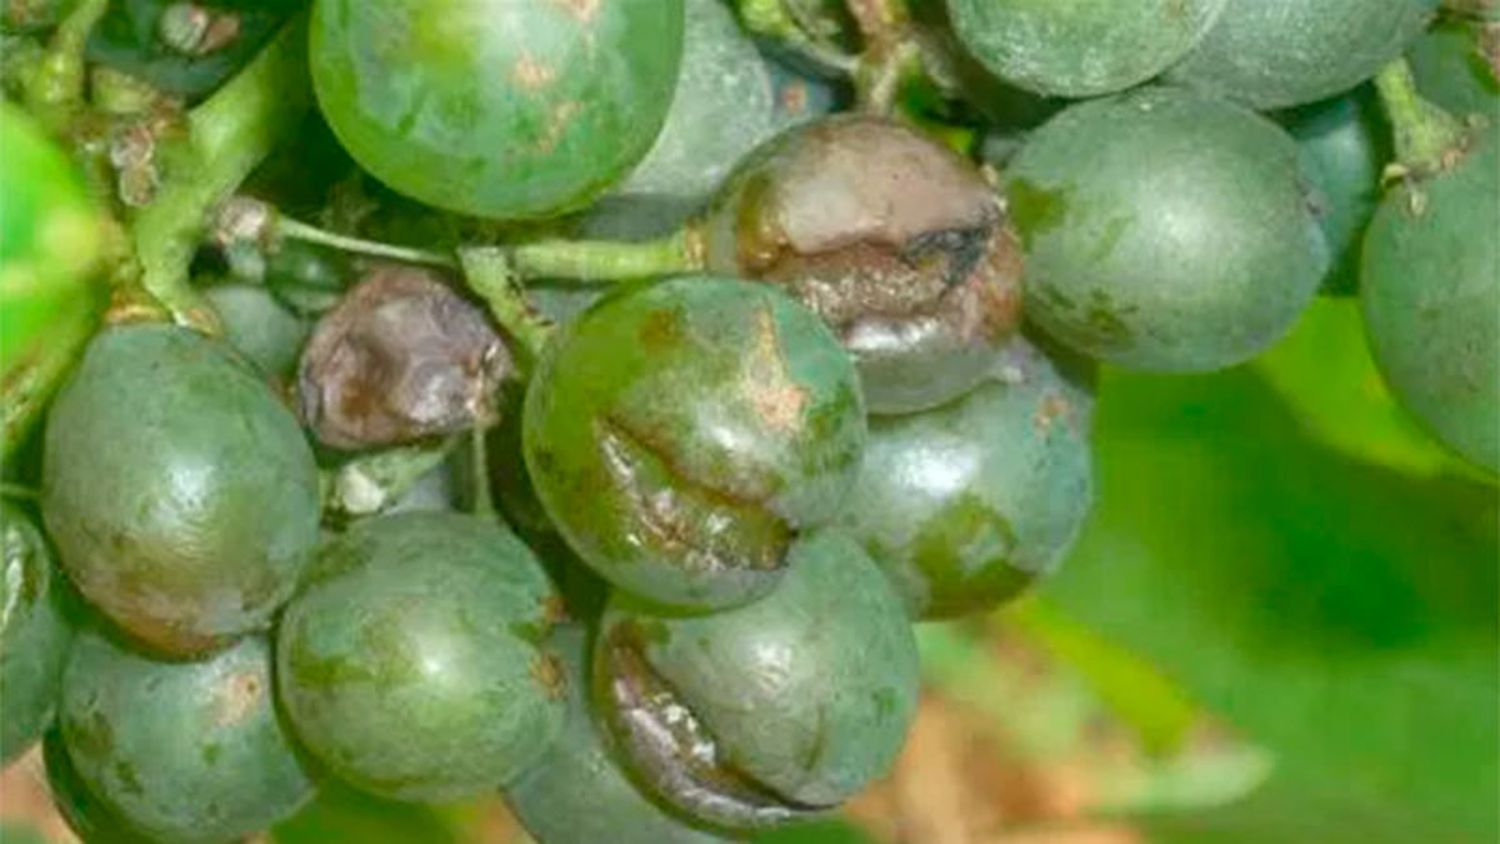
(496,273)
(484,498)
(228,135)
(54,92)
(1428,139)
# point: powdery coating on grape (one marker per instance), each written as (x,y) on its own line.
(899,244)
(679,433)
(1277,53)
(1431,298)
(1080,49)
(577,793)
(182,751)
(1165,230)
(829,654)
(497,108)
(412,663)
(402,357)
(966,505)
(179,491)
(34,633)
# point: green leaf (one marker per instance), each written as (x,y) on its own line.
(1339,610)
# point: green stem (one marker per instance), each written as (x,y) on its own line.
(228,135)
(484,498)
(488,273)
(606,261)
(54,92)
(18,492)
(1427,137)
(289,228)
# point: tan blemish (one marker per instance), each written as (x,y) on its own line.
(776,398)
(1053,408)
(532,74)
(546,671)
(584,10)
(239,696)
(557,124)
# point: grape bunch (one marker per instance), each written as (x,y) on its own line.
(583,399)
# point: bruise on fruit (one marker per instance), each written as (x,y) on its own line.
(402,357)
(699,528)
(870,224)
(674,751)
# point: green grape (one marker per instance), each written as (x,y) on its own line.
(966,505)
(1453,71)
(1164,230)
(1431,300)
(181,751)
(721,110)
(35,634)
(1343,145)
(680,433)
(1279,53)
(86,815)
(577,793)
(770,712)
(498,108)
(1080,49)
(259,327)
(917,272)
(412,662)
(180,492)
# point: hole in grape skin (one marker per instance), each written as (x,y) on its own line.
(674,752)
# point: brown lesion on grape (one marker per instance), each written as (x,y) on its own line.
(869,224)
(402,357)
(674,750)
(703,529)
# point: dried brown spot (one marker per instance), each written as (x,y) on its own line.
(239,696)
(867,222)
(402,357)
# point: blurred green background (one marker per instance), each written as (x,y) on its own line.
(1280,625)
